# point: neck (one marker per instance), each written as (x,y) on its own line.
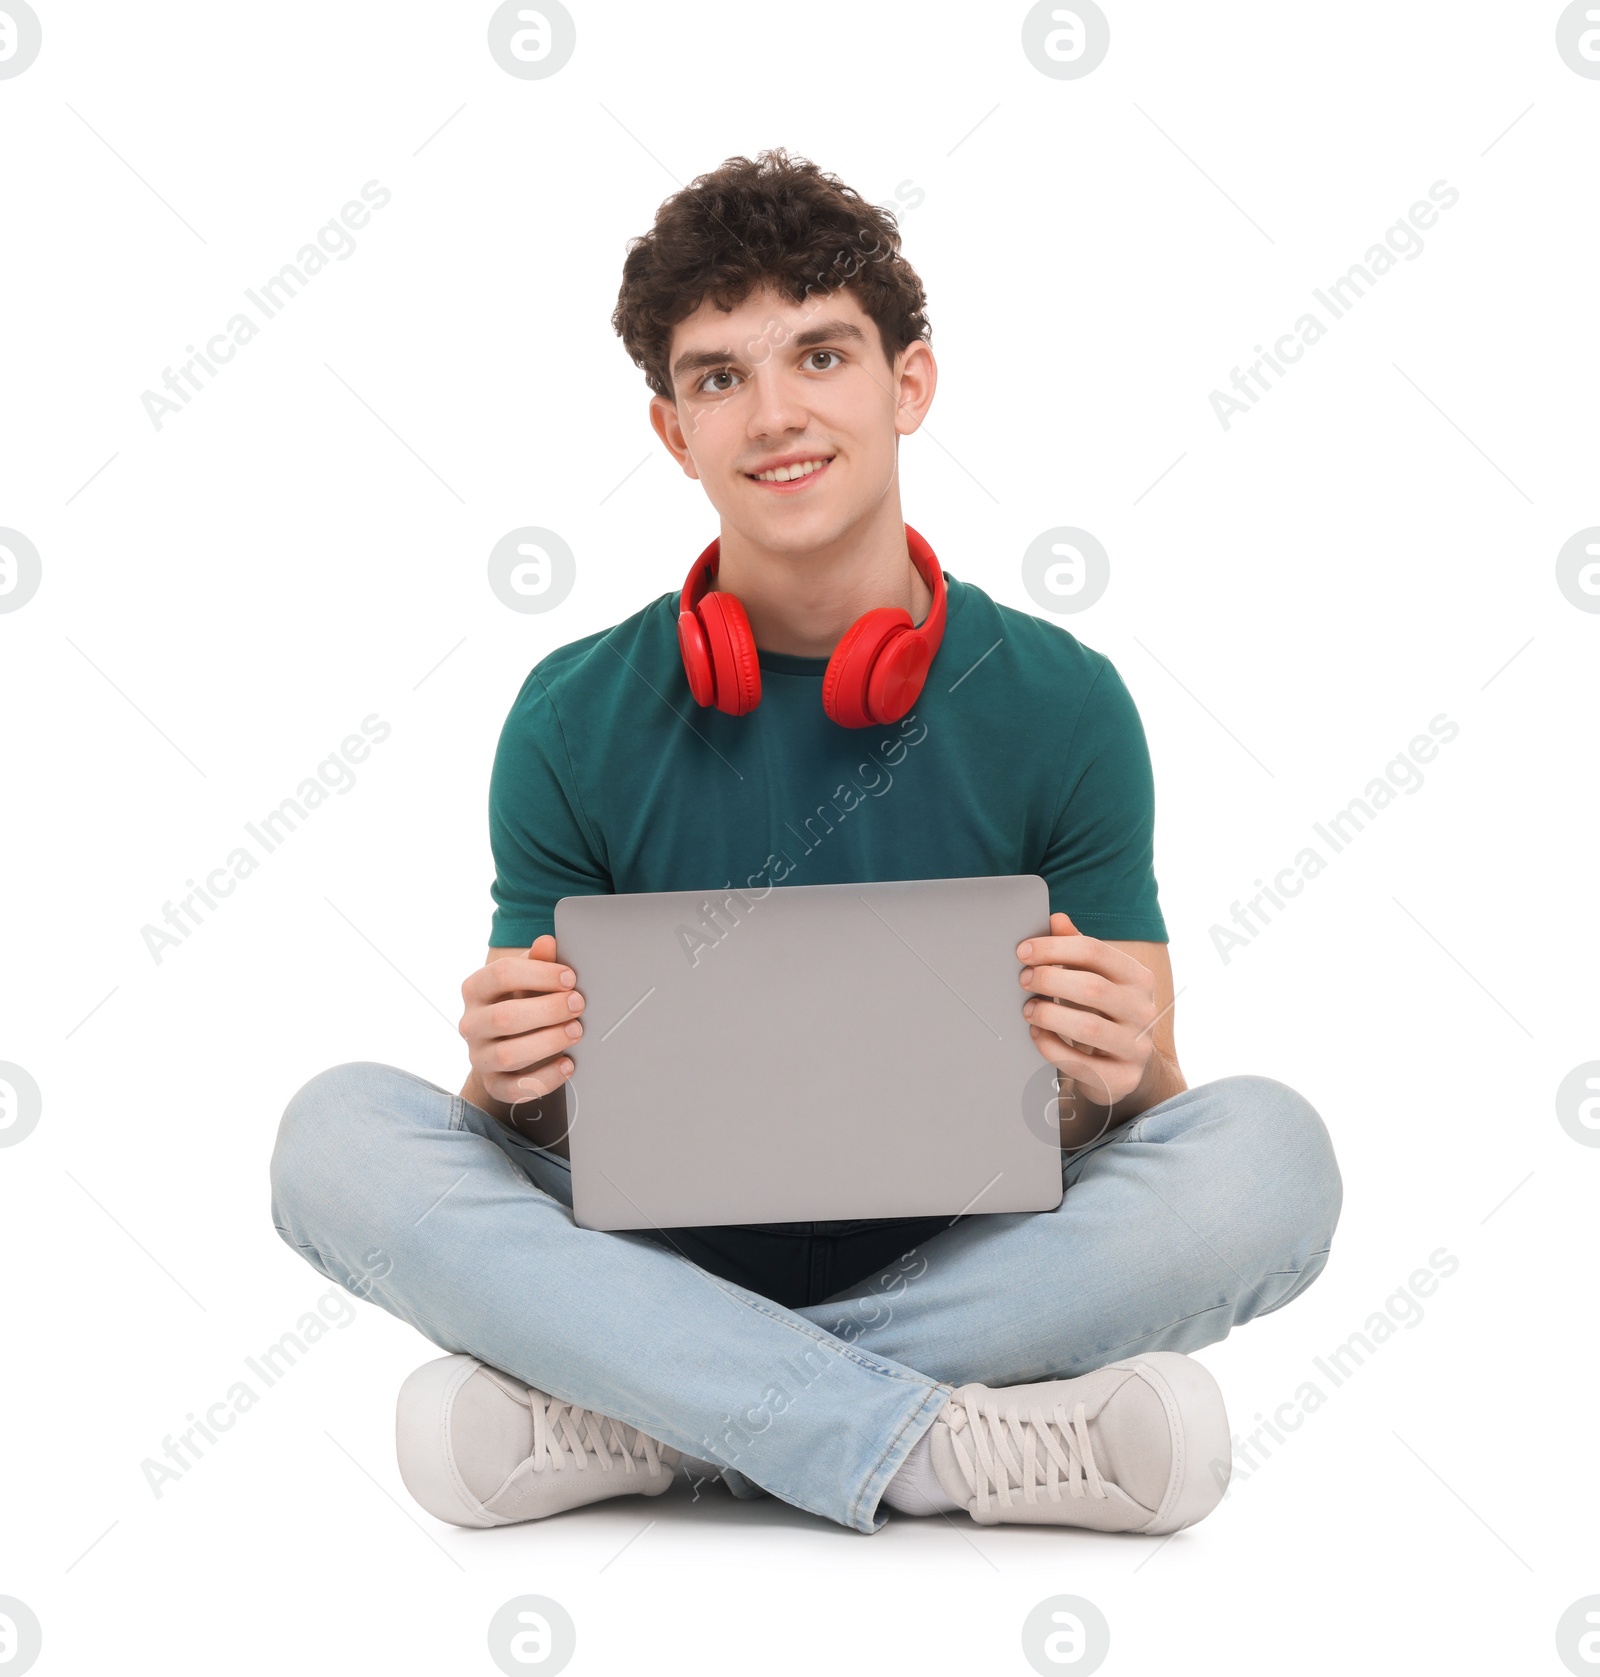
(802,602)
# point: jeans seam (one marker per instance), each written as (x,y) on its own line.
(1293,1292)
(1177,1322)
(1300,1269)
(934,1386)
(1195,1315)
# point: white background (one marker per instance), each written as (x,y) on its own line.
(224,599)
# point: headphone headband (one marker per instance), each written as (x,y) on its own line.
(877,668)
(704,571)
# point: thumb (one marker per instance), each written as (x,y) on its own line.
(1061,926)
(543,947)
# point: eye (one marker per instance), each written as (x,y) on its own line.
(816,352)
(716,372)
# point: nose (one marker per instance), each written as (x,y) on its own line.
(777,405)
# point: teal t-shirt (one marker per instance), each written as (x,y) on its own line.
(1023,754)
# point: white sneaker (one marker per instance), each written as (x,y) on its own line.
(1126,1448)
(479,1448)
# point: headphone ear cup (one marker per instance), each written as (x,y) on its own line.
(897,678)
(845,683)
(696,658)
(732,646)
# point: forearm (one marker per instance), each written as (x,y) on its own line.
(1083,1119)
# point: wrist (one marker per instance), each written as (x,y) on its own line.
(1161,1081)
(474,1092)
(1086,1117)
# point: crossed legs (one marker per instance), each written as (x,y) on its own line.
(1214,1207)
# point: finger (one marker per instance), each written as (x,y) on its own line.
(517,1015)
(1089,1074)
(511,974)
(1089,990)
(510,1055)
(1061,925)
(547,1076)
(1074,1025)
(1083,952)
(532,1083)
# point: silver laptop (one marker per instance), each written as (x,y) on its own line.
(819,1052)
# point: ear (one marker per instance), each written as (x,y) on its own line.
(665,423)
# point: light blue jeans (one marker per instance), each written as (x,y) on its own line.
(1215,1206)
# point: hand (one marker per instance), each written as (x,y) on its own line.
(1094,1021)
(521,1017)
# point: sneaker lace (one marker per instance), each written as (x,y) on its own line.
(562,1427)
(995,1444)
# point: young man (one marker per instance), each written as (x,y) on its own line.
(783,720)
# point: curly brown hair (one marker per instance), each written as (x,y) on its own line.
(778,221)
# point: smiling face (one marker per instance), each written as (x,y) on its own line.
(790,414)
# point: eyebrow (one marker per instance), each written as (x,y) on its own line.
(826,331)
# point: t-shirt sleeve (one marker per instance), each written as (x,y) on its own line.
(1100,860)
(544,848)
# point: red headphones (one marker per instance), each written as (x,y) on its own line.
(874,676)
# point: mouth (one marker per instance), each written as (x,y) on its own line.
(789,480)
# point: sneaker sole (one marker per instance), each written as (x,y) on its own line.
(421,1434)
(1200,1436)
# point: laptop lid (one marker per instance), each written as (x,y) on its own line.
(816,1052)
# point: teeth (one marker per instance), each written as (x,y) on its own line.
(786,474)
